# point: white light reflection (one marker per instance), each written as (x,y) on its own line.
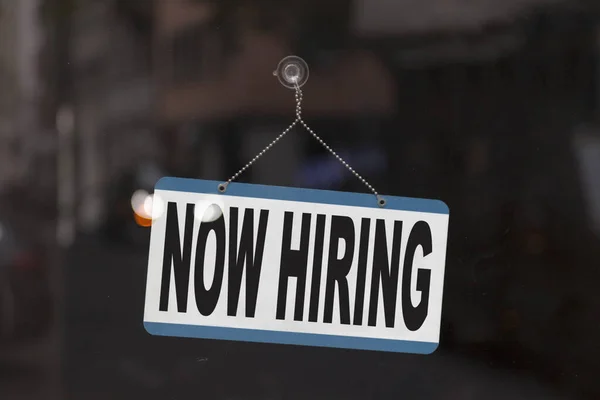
(138,200)
(208,211)
(147,205)
(157,206)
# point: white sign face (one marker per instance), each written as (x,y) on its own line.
(295,266)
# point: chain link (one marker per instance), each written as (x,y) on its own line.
(299,96)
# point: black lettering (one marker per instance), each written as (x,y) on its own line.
(363,251)
(386,272)
(414,317)
(338,269)
(173,255)
(245,256)
(315,287)
(206,299)
(293,263)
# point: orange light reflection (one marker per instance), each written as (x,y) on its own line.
(142,221)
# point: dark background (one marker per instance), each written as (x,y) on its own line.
(492,108)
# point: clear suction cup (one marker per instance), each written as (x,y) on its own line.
(292,71)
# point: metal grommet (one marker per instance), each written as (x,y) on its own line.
(381,202)
(292,72)
(222,187)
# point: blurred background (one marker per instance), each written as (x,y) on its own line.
(490,105)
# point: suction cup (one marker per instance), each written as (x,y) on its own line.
(292,71)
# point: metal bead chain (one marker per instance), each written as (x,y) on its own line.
(223,187)
(380,200)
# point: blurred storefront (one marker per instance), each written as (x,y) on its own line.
(113,99)
(20,132)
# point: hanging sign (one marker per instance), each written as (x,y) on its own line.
(295,266)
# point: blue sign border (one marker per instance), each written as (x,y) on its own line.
(303,195)
(294,338)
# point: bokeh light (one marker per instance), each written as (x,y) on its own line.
(138,198)
(208,211)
